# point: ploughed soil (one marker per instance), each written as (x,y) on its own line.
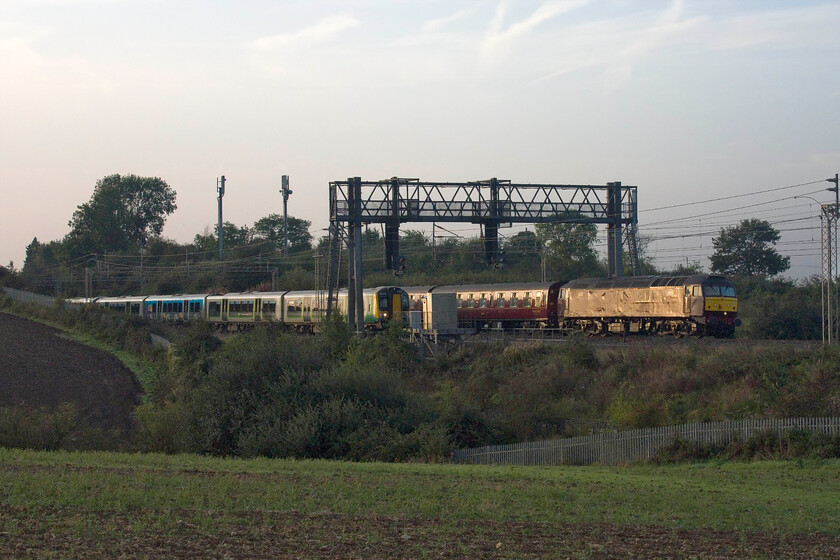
(62,533)
(40,368)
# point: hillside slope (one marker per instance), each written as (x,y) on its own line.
(41,368)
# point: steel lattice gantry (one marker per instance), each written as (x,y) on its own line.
(489,203)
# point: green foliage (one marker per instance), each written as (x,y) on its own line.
(123,212)
(9,277)
(780,309)
(792,444)
(46,430)
(271,229)
(570,249)
(747,250)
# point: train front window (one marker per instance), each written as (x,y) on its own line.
(719,290)
(383,301)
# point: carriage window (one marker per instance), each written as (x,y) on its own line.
(526,301)
(135,308)
(539,300)
(500,300)
(483,301)
(214,308)
(470,301)
(513,300)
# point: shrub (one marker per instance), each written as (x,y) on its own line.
(46,430)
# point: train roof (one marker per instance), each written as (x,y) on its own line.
(160,297)
(506,287)
(643,281)
(247,295)
(419,289)
(109,299)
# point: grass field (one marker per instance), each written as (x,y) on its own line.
(138,506)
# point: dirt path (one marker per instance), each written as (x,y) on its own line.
(41,368)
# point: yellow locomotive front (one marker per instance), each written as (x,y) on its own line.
(714,304)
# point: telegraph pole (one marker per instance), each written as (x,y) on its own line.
(220,188)
(286,194)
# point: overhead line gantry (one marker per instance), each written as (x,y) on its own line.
(489,203)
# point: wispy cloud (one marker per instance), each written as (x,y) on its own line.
(322,32)
(435,25)
(498,40)
(618,45)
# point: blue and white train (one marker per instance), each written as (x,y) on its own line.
(298,310)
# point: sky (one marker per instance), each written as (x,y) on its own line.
(690,101)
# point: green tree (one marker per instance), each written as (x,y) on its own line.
(271,228)
(523,252)
(122,214)
(747,249)
(569,249)
(235,236)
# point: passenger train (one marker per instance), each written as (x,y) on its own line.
(298,310)
(697,305)
(680,305)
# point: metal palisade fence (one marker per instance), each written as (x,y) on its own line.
(615,448)
(28,297)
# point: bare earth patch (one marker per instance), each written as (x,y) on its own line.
(41,368)
(47,533)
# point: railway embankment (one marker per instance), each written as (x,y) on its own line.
(268,393)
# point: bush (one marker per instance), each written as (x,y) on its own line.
(792,444)
(61,429)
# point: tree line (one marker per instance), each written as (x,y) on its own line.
(116,237)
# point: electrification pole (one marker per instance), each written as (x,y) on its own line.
(220,187)
(830,261)
(286,193)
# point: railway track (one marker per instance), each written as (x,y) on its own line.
(617,340)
